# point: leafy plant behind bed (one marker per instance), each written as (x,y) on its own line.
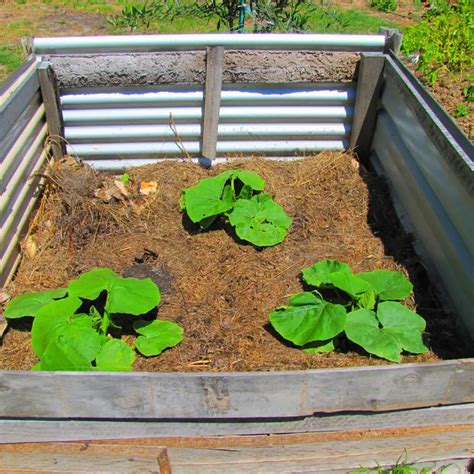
(71,326)
(365,308)
(237,195)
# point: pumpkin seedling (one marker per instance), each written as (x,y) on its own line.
(64,337)
(363,307)
(237,195)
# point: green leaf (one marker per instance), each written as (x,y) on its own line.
(125,295)
(74,349)
(28,304)
(363,329)
(92,283)
(308,318)
(156,336)
(349,283)
(115,356)
(319,273)
(401,330)
(366,300)
(260,220)
(49,319)
(249,178)
(405,325)
(319,346)
(387,284)
(207,198)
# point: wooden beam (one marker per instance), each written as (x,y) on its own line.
(142,395)
(212,101)
(368,87)
(49,92)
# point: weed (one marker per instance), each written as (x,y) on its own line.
(444,40)
(462,110)
(384,5)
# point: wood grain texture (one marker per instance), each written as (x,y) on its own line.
(325,457)
(365,108)
(49,92)
(67,430)
(234,395)
(212,101)
(328,452)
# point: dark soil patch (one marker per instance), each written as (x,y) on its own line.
(219,290)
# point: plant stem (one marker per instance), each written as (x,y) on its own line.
(104,326)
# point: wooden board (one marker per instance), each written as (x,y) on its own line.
(328,452)
(234,395)
(16,431)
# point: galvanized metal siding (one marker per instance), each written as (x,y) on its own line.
(432,176)
(113,130)
(23,132)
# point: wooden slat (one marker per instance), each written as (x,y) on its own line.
(60,430)
(234,395)
(212,101)
(326,456)
(368,88)
(50,94)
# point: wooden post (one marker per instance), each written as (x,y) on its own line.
(393,39)
(49,92)
(365,108)
(212,101)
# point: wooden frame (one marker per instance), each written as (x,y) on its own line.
(241,401)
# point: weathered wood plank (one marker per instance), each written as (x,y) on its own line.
(325,456)
(49,92)
(234,395)
(45,462)
(13,431)
(365,108)
(212,101)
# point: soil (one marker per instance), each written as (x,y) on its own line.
(219,289)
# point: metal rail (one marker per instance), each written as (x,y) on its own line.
(147,43)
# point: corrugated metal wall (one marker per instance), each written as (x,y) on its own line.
(433,180)
(138,126)
(23,131)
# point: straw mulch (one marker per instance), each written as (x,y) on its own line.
(221,290)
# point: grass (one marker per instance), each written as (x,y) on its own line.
(333,20)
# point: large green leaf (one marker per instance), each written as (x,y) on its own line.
(363,329)
(207,198)
(156,336)
(388,284)
(49,319)
(124,295)
(401,330)
(319,346)
(260,220)
(319,273)
(308,318)
(28,304)
(249,178)
(73,349)
(115,356)
(349,283)
(405,325)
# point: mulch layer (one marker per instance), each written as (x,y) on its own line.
(219,289)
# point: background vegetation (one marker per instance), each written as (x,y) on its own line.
(438,36)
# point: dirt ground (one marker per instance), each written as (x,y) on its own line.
(219,289)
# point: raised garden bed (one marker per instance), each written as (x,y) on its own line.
(218,288)
(339,210)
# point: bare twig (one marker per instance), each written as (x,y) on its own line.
(179,142)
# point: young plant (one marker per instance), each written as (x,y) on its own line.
(363,307)
(71,326)
(237,195)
